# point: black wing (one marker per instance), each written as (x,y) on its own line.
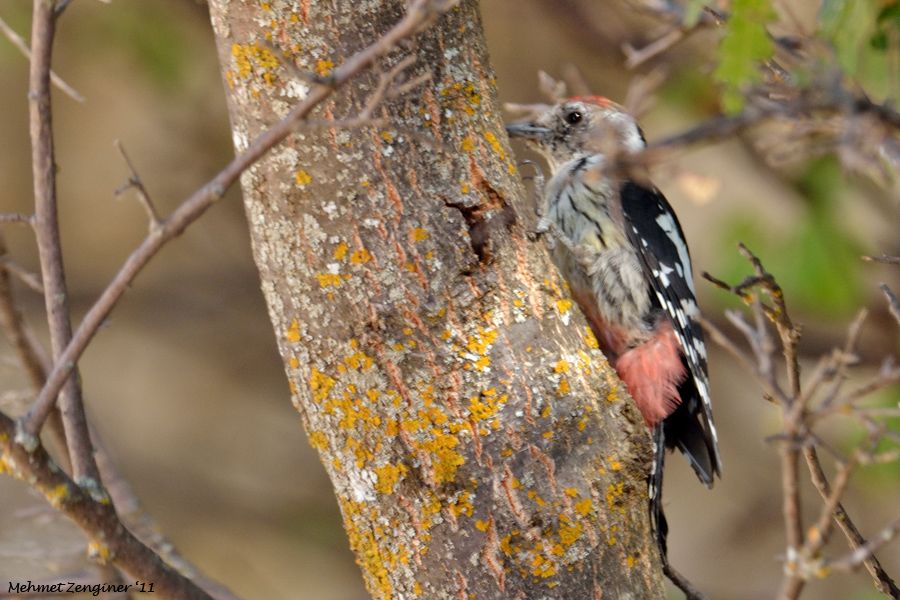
(653,229)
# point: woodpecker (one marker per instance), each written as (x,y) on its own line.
(618,243)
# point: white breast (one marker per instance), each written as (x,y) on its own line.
(598,261)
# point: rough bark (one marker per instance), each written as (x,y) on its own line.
(478,442)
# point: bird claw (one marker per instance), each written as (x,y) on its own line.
(543,227)
(534,235)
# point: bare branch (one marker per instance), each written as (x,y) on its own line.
(419,14)
(802,561)
(46,229)
(725,342)
(553,90)
(821,531)
(757,112)
(640,96)
(20,44)
(575,80)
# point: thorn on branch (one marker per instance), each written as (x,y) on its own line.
(31,280)
(550,88)
(135,182)
(576,80)
(19,218)
(17,41)
(635,57)
(384,82)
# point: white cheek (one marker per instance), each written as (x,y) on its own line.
(633,141)
(631,135)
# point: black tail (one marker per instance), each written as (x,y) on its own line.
(657,516)
(688,430)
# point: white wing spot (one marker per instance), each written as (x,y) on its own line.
(667,224)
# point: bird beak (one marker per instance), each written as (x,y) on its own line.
(527,131)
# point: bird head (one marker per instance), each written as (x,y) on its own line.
(578,127)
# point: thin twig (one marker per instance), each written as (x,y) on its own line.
(884,258)
(135,182)
(893,302)
(34,362)
(33,359)
(863,553)
(576,81)
(31,280)
(19,43)
(635,57)
(46,227)
(682,583)
(793,520)
(782,320)
(719,337)
(17,218)
(801,558)
(824,526)
(381,88)
(144,527)
(726,126)
(883,582)
(841,405)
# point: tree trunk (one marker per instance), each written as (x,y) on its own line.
(479,444)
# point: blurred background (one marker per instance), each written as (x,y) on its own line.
(184,381)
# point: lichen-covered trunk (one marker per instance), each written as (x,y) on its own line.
(478,442)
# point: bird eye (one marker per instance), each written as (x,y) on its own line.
(573,118)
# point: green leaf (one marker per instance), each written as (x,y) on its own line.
(887,26)
(849,25)
(859,31)
(745,46)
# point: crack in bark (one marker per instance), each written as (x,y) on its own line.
(483,218)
